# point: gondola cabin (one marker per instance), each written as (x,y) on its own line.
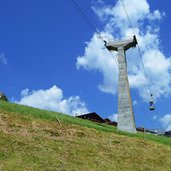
(151,103)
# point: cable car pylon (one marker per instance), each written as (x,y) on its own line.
(126,121)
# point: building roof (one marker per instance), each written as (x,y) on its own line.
(141,129)
(107,120)
(112,123)
(93,117)
(167,133)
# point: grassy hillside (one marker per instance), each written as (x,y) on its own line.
(33,139)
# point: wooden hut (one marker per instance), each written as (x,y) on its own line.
(92,116)
(167,134)
(109,122)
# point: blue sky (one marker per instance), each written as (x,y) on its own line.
(51,59)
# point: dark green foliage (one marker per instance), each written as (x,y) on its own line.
(3,97)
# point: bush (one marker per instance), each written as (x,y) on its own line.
(3,97)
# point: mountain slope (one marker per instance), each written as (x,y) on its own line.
(30,140)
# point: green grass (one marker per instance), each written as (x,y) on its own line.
(53,116)
(32,139)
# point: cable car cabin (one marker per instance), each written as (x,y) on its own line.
(151,102)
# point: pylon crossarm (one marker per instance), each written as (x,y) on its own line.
(126,43)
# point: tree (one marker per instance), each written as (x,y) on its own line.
(3,97)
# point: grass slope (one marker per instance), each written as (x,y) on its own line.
(33,139)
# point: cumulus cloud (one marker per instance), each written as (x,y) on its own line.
(97,58)
(155,117)
(166,122)
(157,68)
(146,25)
(3,59)
(116,17)
(135,102)
(113,117)
(52,99)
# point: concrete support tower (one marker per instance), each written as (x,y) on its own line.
(126,121)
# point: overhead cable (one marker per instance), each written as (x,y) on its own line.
(89,23)
(83,16)
(140,53)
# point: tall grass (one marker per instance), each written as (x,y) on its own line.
(63,118)
(53,116)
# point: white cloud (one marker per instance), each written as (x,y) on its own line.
(155,117)
(52,99)
(97,58)
(157,68)
(166,122)
(3,59)
(113,117)
(25,92)
(156,15)
(135,102)
(146,26)
(116,16)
